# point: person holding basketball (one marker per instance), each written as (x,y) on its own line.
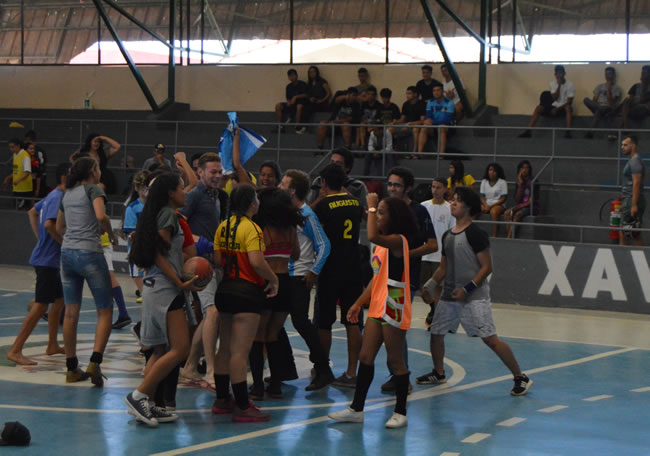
(158,248)
(390,226)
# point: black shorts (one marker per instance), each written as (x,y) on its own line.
(178,303)
(333,290)
(548,111)
(48,285)
(239,296)
(281,302)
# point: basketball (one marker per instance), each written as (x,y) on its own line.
(198,266)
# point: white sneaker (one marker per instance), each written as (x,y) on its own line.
(347,416)
(397,421)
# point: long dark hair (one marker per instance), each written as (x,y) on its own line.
(277,210)
(81,169)
(240,200)
(317,78)
(497,168)
(147,241)
(459,171)
(400,218)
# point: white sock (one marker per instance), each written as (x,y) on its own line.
(137,395)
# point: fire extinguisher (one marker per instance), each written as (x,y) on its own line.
(615,218)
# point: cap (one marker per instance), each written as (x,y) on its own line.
(14,433)
(159,146)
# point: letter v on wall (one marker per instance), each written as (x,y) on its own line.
(642,272)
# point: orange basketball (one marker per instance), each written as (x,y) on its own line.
(198,266)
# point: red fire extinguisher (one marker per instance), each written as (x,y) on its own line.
(615,218)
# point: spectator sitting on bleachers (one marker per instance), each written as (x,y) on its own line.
(380,143)
(556,102)
(345,112)
(458,178)
(494,191)
(364,83)
(637,104)
(388,111)
(296,96)
(450,91)
(439,111)
(318,94)
(370,109)
(158,158)
(426,84)
(413,112)
(523,190)
(606,100)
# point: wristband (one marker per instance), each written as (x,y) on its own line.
(430,285)
(471,286)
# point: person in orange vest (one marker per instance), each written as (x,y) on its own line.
(390,226)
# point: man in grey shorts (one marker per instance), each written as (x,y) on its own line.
(465,265)
(633,205)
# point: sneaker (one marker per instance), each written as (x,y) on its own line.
(138,294)
(397,421)
(121,323)
(274,393)
(347,416)
(391,387)
(161,414)
(320,381)
(526,134)
(94,371)
(345,382)
(77,375)
(140,409)
(256,392)
(135,330)
(301,130)
(251,415)
(223,406)
(432,378)
(429,317)
(138,300)
(170,405)
(522,385)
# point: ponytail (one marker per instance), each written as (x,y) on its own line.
(81,169)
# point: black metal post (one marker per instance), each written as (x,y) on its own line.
(99,39)
(458,20)
(499,32)
(140,24)
(482,68)
(22,32)
(452,69)
(514,28)
(202,27)
(627,30)
(291,24)
(180,29)
(490,31)
(189,31)
(134,70)
(171,69)
(387,27)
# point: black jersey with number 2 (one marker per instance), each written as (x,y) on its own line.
(340,215)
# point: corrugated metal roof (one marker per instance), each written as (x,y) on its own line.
(57,30)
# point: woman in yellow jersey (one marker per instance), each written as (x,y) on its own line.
(390,226)
(457,177)
(247,281)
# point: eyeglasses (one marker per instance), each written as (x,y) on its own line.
(394,184)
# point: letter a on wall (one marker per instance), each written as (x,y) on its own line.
(604,276)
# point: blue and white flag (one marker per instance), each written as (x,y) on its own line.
(249,143)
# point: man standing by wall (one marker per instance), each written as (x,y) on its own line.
(633,205)
(21,176)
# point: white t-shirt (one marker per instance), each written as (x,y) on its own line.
(449,85)
(493,194)
(568,90)
(442,222)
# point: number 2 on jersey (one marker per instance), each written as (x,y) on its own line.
(348,227)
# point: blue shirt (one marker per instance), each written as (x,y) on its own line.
(314,246)
(131,216)
(47,252)
(202,210)
(441,113)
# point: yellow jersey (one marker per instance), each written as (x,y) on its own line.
(22,163)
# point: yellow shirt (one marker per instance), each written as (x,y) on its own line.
(22,163)
(105,240)
(468,181)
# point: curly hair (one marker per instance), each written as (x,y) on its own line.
(277,210)
(498,169)
(147,241)
(400,218)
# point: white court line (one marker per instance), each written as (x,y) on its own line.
(81,311)
(641,390)
(447,453)
(424,394)
(553,409)
(511,422)
(597,398)
(7,295)
(475,438)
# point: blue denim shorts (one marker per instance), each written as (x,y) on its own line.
(80,265)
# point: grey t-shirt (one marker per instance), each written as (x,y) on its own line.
(154,161)
(460,251)
(167,219)
(82,230)
(601,92)
(634,166)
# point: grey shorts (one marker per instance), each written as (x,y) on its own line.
(475,316)
(206,296)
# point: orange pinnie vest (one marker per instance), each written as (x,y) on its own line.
(390,300)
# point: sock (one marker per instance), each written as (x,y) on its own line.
(222,385)
(402,391)
(364,379)
(159,394)
(171,385)
(72,363)
(256,361)
(275,360)
(96,357)
(118,296)
(137,395)
(287,362)
(241,395)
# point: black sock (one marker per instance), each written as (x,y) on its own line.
(240,391)
(275,361)
(72,363)
(364,379)
(222,385)
(96,357)
(159,394)
(256,361)
(171,386)
(402,391)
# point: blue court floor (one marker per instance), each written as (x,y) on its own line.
(587,399)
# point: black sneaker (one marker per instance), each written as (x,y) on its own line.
(432,378)
(140,409)
(522,385)
(121,323)
(162,415)
(526,134)
(135,330)
(320,381)
(345,382)
(391,387)
(256,392)
(138,294)
(429,317)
